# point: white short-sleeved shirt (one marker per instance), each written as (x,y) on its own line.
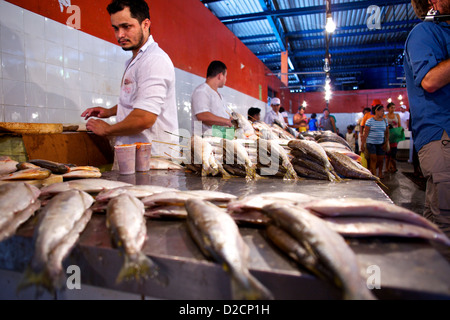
(149,84)
(205,99)
(404,116)
(271,116)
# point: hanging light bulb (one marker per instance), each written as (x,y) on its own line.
(330,26)
(326,66)
(304,104)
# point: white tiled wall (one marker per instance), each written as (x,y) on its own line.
(50,73)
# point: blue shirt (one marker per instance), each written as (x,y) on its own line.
(312,124)
(377,130)
(427,45)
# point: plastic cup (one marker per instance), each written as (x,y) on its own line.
(126,158)
(143,155)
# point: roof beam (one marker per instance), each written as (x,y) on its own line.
(308,10)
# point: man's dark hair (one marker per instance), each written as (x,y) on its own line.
(215,68)
(420,7)
(301,107)
(253,112)
(314,115)
(138,8)
(367,109)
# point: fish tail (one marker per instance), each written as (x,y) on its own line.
(40,279)
(251,172)
(249,288)
(141,267)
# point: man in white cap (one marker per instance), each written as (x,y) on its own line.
(404,116)
(275,114)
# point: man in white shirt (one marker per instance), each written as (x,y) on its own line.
(275,114)
(147,105)
(208,105)
(404,117)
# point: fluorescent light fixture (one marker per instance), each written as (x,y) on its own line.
(290,64)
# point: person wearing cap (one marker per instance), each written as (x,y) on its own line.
(208,105)
(427,70)
(404,117)
(274,114)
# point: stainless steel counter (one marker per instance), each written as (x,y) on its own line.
(409,269)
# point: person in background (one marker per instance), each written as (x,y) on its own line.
(393,120)
(274,114)
(285,115)
(427,71)
(367,116)
(147,108)
(312,122)
(376,135)
(299,116)
(327,122)
(359,129)
(208,105)
(254,114)
(350,137)
(303,126)
(339,134)
(404,117)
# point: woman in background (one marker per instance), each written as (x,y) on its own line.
(376,140)
(394,121)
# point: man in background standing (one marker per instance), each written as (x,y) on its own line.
(404,117)
(208,105)
(427,70)
(274,114)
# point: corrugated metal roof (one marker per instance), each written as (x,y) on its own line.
(268,27)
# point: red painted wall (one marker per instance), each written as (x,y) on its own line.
(352,101)
(193,37)
(187,31)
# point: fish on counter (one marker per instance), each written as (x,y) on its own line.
(366,207)
(348,168)
(80,174)
(61,221)
(273,156)
(139,191)
(26,165)
(7,165)
(376,227)
(164,164)
(18,202)
(235,156)
(127,225)
(218,237)
(27,174)
(93,185)
(54,167)
(321,241)
(180,197)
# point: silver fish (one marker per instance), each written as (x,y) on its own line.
(139,191)
(347,167)
(82,174)
(366,207)
(326,244)
(62,220)
(18,202)
(93,185)
(259,200)
(127,225)
(7,165)
(235,153)
(369,227)
(272,154)
(179,197)
(27,174)
(164,164)
(218,237)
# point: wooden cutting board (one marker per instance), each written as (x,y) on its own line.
(31,128)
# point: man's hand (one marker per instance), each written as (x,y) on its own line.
(98,112)
(99,127)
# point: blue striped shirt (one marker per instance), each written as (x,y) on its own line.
(377,130)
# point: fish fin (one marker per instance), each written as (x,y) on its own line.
(40,279)
(141,267)
(249,288)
